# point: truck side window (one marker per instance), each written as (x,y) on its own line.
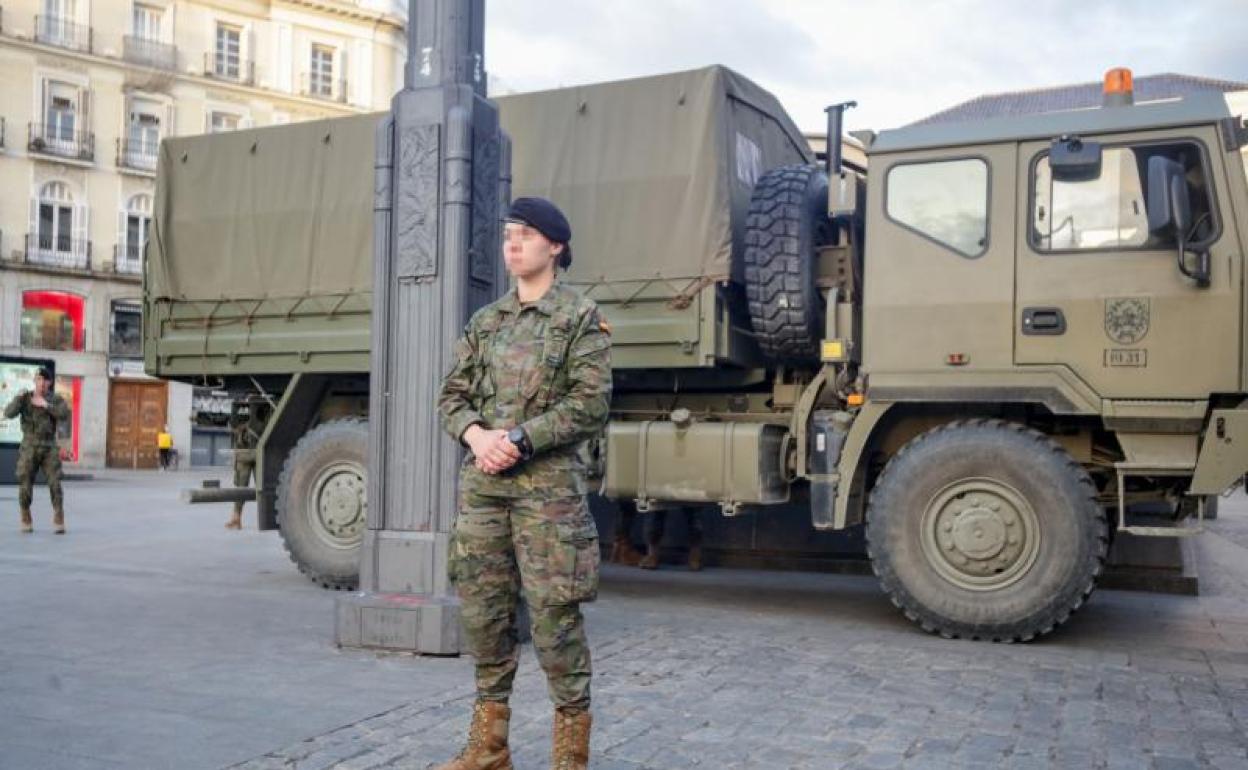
(945,200)
(1108,212)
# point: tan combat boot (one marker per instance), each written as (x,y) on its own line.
(58,522)
(623,552)
(695,558)
(570,749)
(28,525)
(651,559)
(487,740)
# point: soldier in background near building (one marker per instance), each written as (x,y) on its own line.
(244,436)
(41,410)
(530,384)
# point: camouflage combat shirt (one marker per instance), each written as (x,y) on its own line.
(545,366)
(38,425)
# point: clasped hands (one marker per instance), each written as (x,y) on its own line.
(492,451)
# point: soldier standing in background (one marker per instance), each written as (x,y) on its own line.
(41,410)
(622,550)
(656,523)
(244,439)
(530,383)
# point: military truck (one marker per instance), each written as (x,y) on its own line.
(986,346)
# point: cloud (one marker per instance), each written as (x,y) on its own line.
(901,60)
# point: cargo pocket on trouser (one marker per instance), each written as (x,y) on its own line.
(575,558)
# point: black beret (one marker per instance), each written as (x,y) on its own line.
(547,219)
(541,215)
(43,372)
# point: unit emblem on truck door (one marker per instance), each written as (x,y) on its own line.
(1126,319)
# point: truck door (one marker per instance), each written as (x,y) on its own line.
(1100,294)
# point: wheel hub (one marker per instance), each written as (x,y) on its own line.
(980,534)
(339,504)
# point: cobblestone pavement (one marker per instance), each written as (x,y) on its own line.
(740,669)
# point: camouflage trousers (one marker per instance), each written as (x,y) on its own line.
(243,470)
(547,549)
(30,459)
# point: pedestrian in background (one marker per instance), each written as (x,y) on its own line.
(164,442)
(41,411)
(530,383)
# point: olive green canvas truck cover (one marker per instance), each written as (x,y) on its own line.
(260,258)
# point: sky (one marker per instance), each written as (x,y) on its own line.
(899,60)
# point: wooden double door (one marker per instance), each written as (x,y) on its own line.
(136,413)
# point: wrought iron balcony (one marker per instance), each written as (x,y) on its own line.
(318,87)
(137,155)
(150,53)
(55,140)
(236,70)
(128,258)
(57,251)
(54,30)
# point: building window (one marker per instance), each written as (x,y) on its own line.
(946,201)
(62,116)
(125,331)
(52,320)
(228,62)
(61,112)
(222,121)
(1109,211)
(56,218)
(136,224)
(147,22)
(142,143)
(57,26)
(58,229)
(321,78)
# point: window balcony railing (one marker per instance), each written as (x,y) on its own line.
(55,140)
(318,87)
(233,69)
(1,133)
(57,251)
(63,33)
(150,53)
(137,155)
(128,259)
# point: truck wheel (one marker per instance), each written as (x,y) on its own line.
(984,529)
(786,223)
(322,502)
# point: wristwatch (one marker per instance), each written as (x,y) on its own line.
(518,437)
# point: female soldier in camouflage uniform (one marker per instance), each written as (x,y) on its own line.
(530,383)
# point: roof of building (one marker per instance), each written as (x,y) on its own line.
(1166,85)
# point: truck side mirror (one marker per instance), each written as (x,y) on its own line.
(1170,207)
(1169,204)
(1073,160)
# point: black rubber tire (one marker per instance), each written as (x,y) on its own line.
(1072,531)
(786,223)
(303,535)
